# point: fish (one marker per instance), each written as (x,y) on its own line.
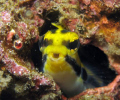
(62,61)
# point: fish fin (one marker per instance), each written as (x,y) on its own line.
(57,25)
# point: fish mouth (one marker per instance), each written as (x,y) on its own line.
(56,57)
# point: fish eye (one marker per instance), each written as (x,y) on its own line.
(74,45)
(44,42)
(71,45)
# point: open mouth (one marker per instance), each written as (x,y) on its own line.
(56,57)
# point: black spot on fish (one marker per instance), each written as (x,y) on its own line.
(74,44)
(53,31)
(83,74)
(44,42)
(74,64)
(64,31)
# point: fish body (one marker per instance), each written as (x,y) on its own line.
(61,61)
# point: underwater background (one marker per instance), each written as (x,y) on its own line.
(23,22)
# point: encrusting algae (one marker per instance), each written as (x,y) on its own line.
(22,23)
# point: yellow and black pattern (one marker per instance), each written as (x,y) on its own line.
(60,57)
(59,50)
(59,43)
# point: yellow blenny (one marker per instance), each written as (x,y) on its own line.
(60,57)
